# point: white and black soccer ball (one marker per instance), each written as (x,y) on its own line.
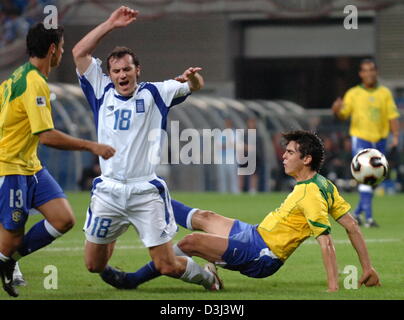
(369,166)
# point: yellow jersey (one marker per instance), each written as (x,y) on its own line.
(370,111)
(304,213)
(25,111)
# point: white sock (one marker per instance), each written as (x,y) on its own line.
(178,252)
(194,273)
(51,230)
(189,218)
(17,272)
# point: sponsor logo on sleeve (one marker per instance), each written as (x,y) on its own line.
(41,101)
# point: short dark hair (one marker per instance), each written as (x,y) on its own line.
(309,144)
(119,52)
(367,61)
(39,39)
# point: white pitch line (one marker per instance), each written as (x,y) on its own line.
(82,248)
(346,241)
(126,247)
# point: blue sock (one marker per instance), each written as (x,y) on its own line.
(181,212)
(39,236)
(367,198)
(145,273)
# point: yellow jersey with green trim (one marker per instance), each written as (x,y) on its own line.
(304,213)
(370,110)
(25,111)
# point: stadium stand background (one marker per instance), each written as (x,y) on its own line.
(282,62)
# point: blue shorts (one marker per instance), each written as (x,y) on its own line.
(19,194)
(248,253)
(360,144)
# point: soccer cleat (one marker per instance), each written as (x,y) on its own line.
(371,224)
(114,277)
(217,283)
(6,274)
(19,281)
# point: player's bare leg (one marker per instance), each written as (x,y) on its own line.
(111,247)
(96,256)
(207,246)
(59,214)
(166,262)
(10,240)
(211,222)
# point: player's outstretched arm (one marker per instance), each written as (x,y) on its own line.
(395,130)
(194,79)
(83,50)
(330,261)
(370,277)
(59,140)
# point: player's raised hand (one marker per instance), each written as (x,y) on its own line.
(188,74)
(122,17)
(370,278)
(194,79)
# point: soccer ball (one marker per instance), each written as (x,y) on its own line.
(369,166)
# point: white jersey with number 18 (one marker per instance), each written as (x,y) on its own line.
(132,125)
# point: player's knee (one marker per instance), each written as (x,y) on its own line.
(65,224)
(188,243)
(94,267)
(69,223)
(205,215)
(202,219)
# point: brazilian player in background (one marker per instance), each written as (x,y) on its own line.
(373,114)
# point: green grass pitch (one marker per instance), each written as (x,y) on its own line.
(302,277)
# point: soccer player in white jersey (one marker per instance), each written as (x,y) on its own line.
(128,192)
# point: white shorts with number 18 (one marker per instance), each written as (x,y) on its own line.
(143,203)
